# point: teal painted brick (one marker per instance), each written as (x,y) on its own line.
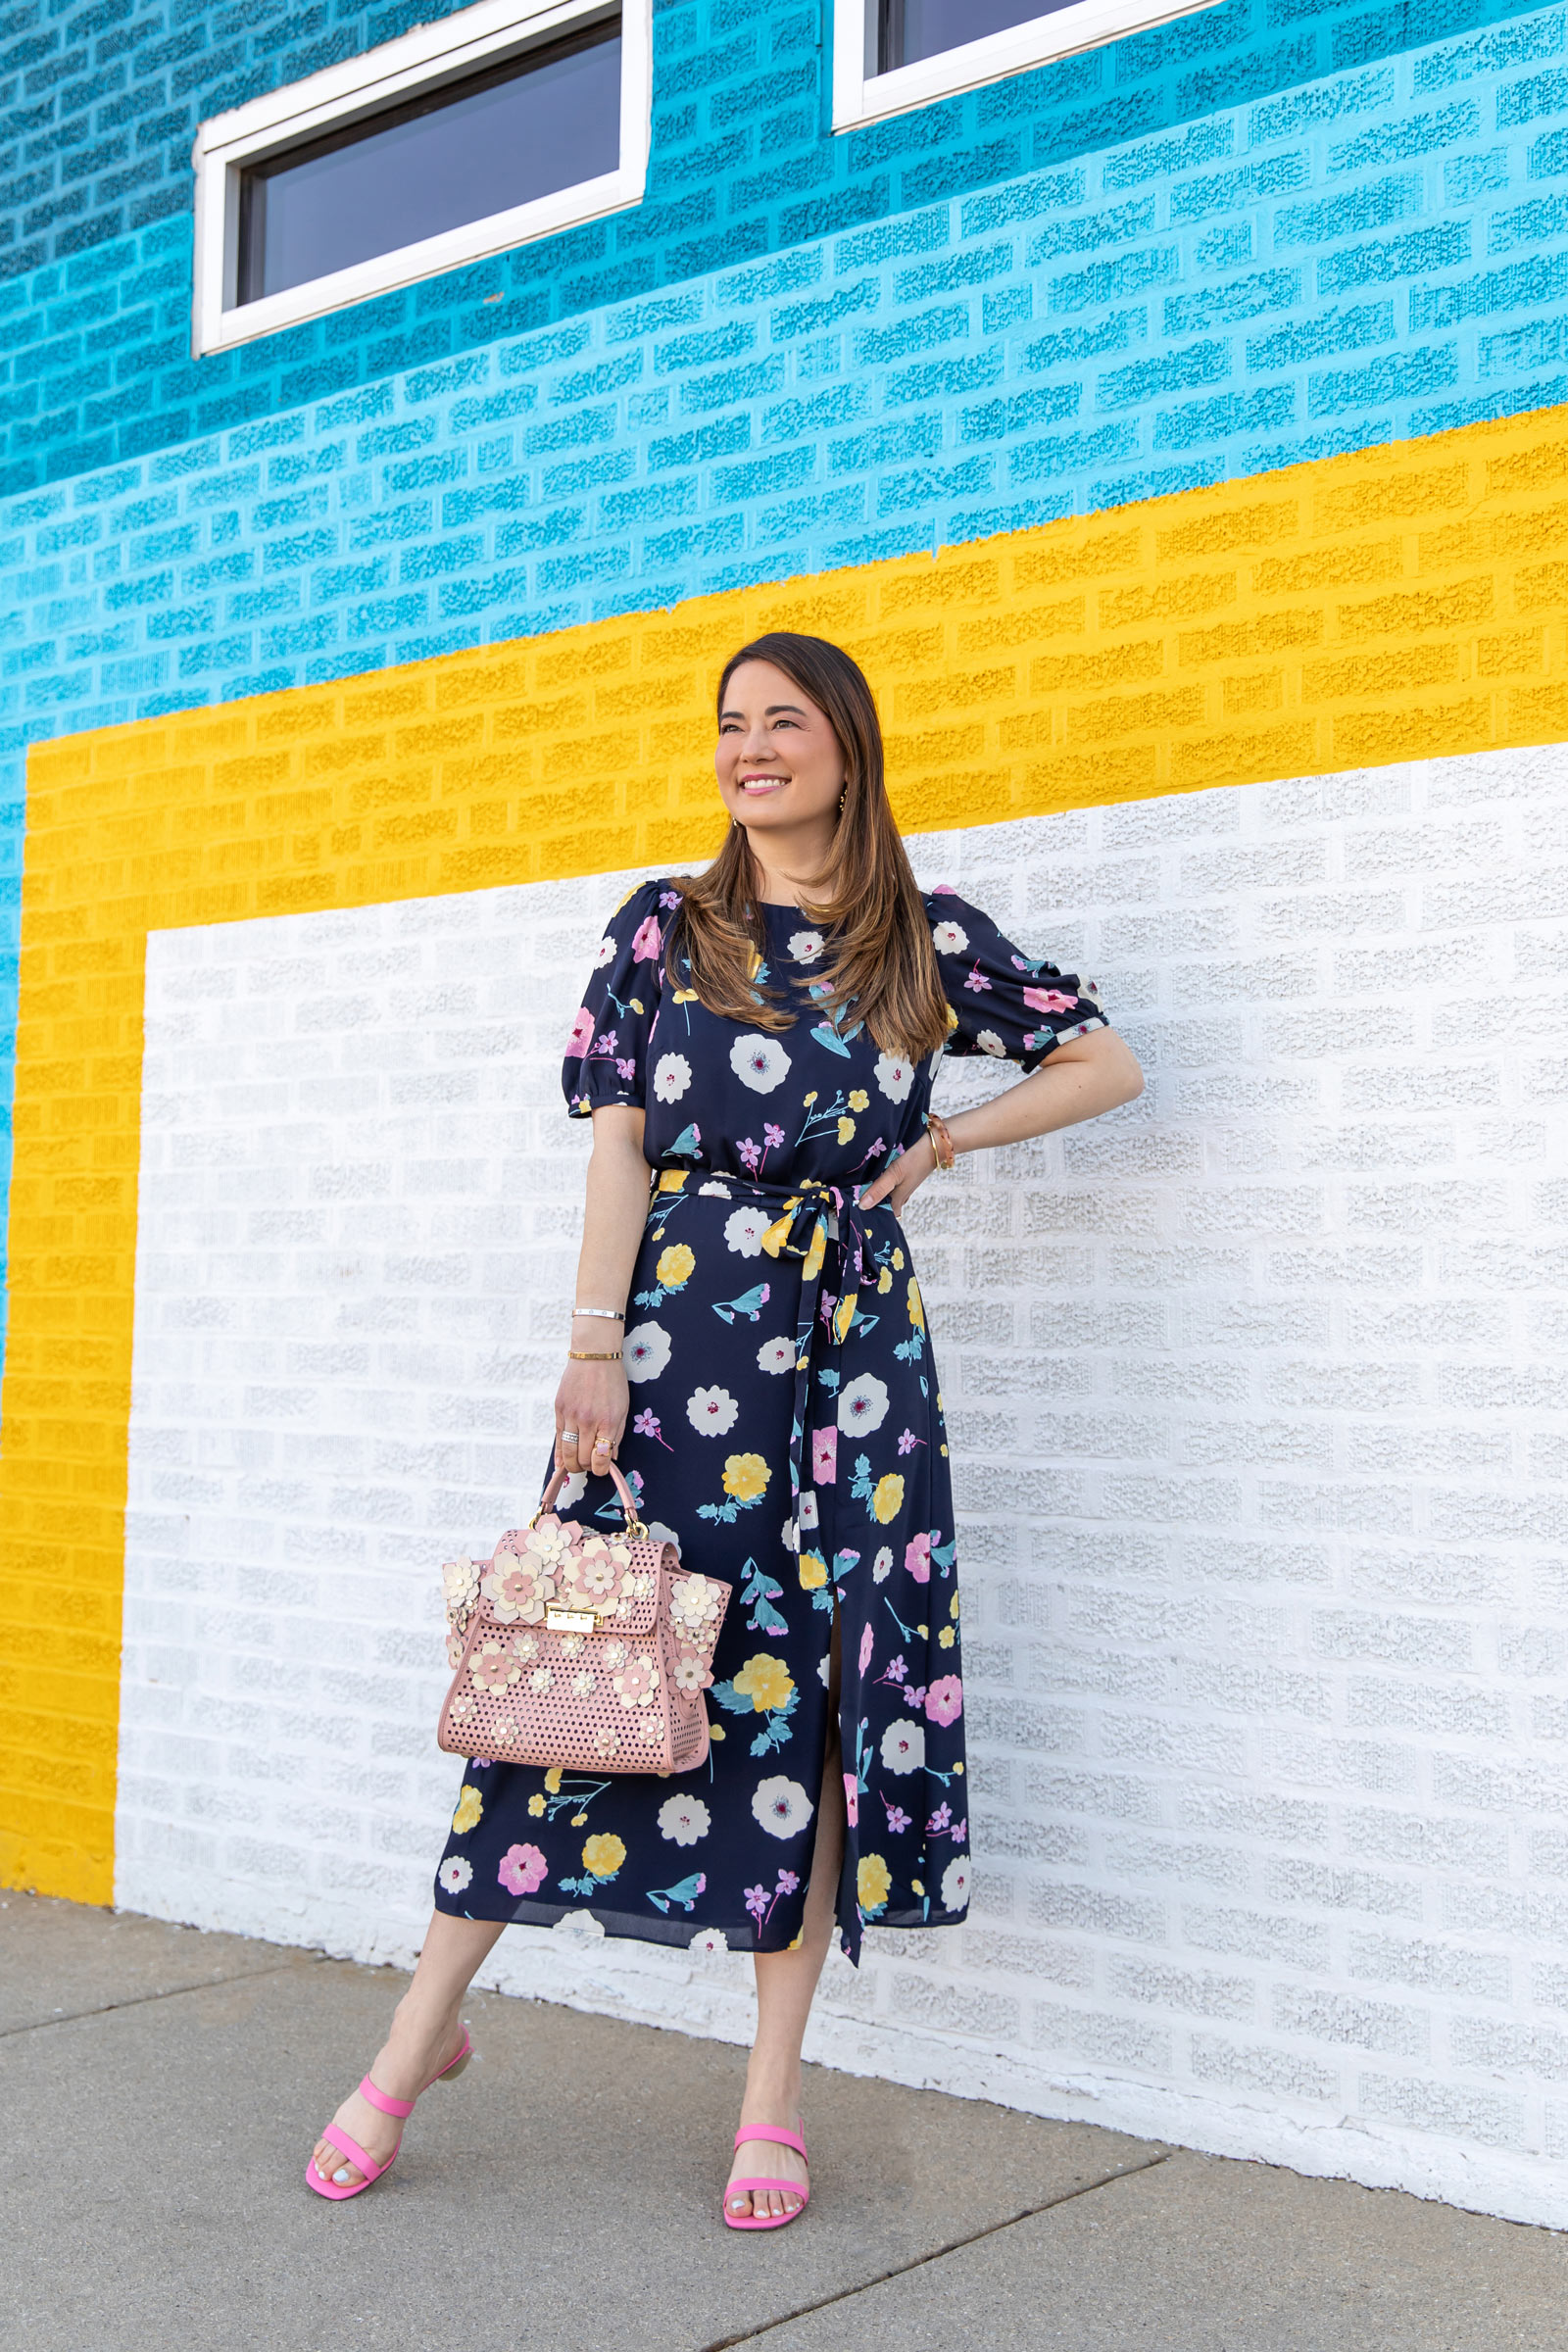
(1400,376)
(1404,140)
(1112,282)
(1242,298)
(1412,256)
(1351,329)
(1535,285)
(1533,224)
(1172,370)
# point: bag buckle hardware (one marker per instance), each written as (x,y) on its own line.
(570,1620)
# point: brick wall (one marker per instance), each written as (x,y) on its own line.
(1254,1392)
(99,102)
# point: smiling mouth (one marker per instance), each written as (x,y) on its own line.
(761,783)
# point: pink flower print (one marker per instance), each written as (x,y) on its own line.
(978,982)
(522,1868)
(670,898)
(772,1136)
(636,1683)
(493,1666)
(944,1701)
(867,1644)
(581,1036)
(898,1819)
(647,940)
(851,1799)
(939,1821)
(627,1070)
(750,1152)
(918,1557)
(907,1440)
(1048,1000)
(825,1456)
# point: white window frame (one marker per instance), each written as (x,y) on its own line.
(432,54)
(862,95)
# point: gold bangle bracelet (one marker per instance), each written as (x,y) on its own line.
(942,1149)
(594,1355)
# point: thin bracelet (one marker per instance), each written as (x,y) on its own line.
(594,1355)
(942,1140)
(609,1315)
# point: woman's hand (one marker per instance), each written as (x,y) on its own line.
(591,1406)
(904,1178)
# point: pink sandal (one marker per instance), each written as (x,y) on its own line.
(403,2108)
(788,2188)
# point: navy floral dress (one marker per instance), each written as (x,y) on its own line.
(786,1428)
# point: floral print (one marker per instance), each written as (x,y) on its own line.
(786,1426)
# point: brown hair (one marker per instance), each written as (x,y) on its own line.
(882,960)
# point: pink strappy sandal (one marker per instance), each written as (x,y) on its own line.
(401,2108)
(788,2188)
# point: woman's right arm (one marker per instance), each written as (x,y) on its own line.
(594,1398)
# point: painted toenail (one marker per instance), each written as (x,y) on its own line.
(341,2177)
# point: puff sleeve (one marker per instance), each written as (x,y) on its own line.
(607,1050)
(1002,1002)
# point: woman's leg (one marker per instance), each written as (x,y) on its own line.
(786,1984)
(427,2031)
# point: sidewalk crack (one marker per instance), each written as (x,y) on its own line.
(140,2001)
(901,2270)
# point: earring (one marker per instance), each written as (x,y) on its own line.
(843,797)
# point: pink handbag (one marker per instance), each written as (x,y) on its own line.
(579,1648)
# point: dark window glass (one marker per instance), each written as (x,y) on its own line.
(916,28)
(540,122)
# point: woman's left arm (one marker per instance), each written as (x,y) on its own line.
(1083,1077)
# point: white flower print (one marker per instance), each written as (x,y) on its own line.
(956,1883)
(760,1062)
(990,1043)
(673,1075)
(744,1231)
(823,1665)
(711,1411)
(806,945)
(575,1487)
(708,1941)
(606,955)
(881,1564)
(645,1352)
(777,1355)
(806,1508)
(579,1923)
(903,1745)
(663,1533)
(894,1075)
(864,1404)
(714,1191)
(782,1806)
(684,1818)
(454,1873)
(950,939)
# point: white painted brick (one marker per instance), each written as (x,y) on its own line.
(1264,1632)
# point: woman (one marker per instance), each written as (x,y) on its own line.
(763,1038)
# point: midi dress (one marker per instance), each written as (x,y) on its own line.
(786,1429)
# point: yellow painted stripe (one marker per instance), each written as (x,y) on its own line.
(1391,605)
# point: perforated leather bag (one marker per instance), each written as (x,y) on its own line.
(577,1647)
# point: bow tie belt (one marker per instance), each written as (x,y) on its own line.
(811,1214)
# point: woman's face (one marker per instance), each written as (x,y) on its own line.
(778,761)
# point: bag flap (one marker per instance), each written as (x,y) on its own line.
(557,1569)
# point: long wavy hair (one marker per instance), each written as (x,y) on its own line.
(881,960)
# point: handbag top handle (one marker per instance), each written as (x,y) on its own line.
(635,1526)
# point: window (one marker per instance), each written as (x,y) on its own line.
(889,55)
(498,124)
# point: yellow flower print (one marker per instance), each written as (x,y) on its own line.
(916,1306)
(716,1731)
(746,1475)
(671,1180)
(685,996)
(814,1571)
(888,1499)
(675,1267)
(959,1767)
(884,1281)
(873,1883)
(811,1098)
(897,1260)
(846,1130)
(604,1855)
(470,1806)
(579,1821)
(536,1805)
(917,1885)
(766,1681)
(552,1779)
(954,1612)
(812,1266)
(944,1638)
(858,1099)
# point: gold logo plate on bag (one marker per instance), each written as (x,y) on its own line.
(570,1620)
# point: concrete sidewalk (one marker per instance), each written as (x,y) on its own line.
(161,2089)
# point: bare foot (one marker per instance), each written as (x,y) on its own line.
(415,2049)
(766,2160)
